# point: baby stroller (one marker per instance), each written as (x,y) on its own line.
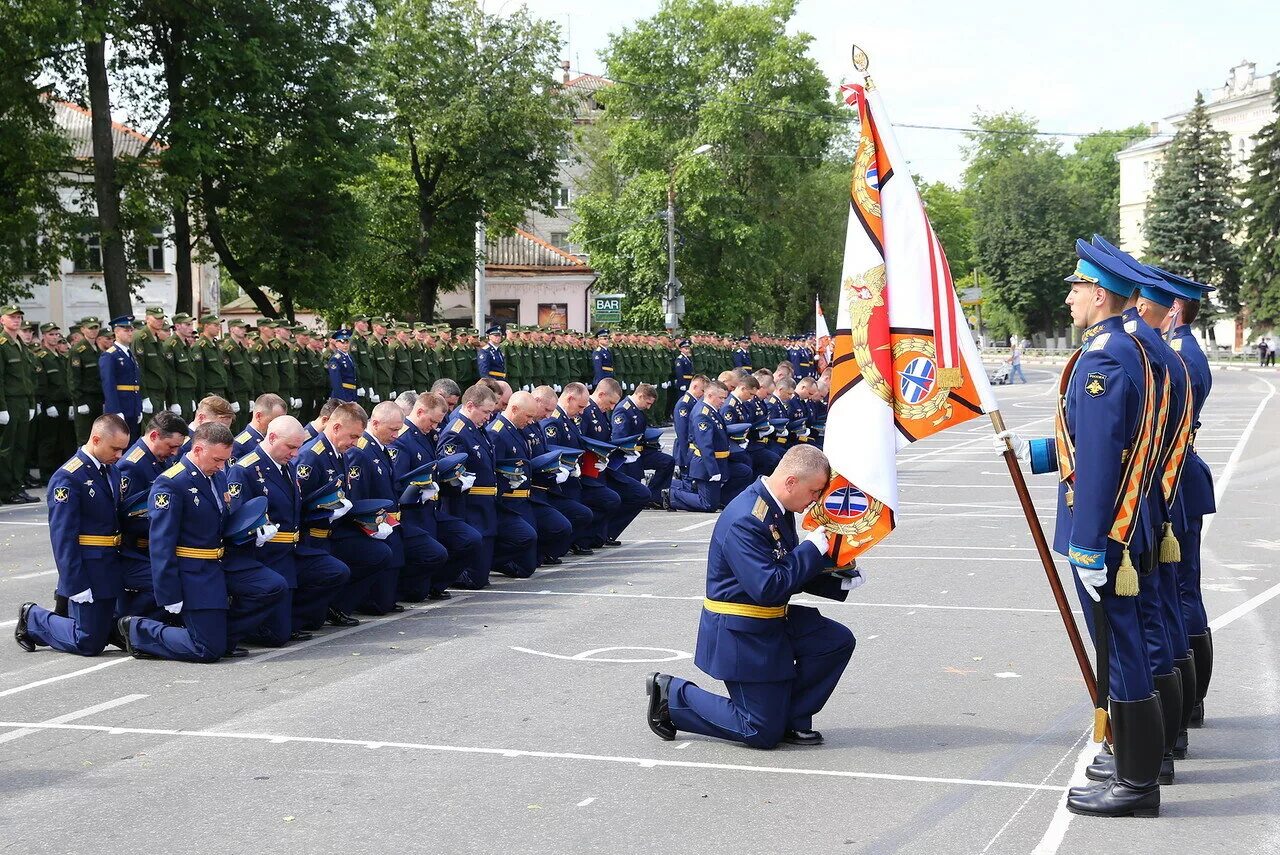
(1000,375)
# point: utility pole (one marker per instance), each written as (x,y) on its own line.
(671,298)
(480,262)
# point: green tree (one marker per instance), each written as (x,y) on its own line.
(474,125)
(712,73)
(1092,166)
(1191,214)
(952,219)
(1261,287)
(999,137)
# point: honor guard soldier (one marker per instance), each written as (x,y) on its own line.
(489,359)
(742,353)
(264,410)
(314,579)
(341,367)
(682,369)
(711,477)
(1106,429)
(680,421)
(141,465)
(595,424)
(629,419)
(780,662)
(17,407)
(601,359)
(120,377)
(85,529)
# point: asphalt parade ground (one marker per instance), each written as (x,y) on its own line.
(511,720)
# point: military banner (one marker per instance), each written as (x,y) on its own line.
(904,364)
(821,336)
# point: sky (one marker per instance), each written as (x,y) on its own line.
(1076,67)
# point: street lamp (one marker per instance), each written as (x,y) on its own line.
(672,299)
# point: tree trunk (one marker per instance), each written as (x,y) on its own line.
(170,45)
(237,271)
(106,193)
(182,256)
(428,286)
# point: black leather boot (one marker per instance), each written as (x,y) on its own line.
(1169,689)
(1134,791)
(1202,652)
(1186,667)
(1103,765)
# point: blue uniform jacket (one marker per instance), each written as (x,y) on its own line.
(187,510)
(119,371)
(411,450)
(1195,495)
(601,364)
(756,560)
(370,475)
(342,376)
(316,466)
(682,372)
(245,441)
(138,470)
(742,358)
(255,475)
(680,421)
(509,444)
(478,506)
(711,444)
(83,527)
(628,420)
(559,429)
(491,362)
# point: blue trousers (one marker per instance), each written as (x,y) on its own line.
(461,541)
(581,519)
(259,606)
(424,556)
(1131,674)
(634,496)
(763,460)
(1016,373)
(84,631)
(366,558)
(758,714)
(1171,605)
(688,494)
(555,532)
(202,638)
(662,465)
(1160,651)
(1194,617)
(138,597)
(515,547)
(604,504)
(320,579)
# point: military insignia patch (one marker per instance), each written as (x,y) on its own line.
(1096,384)
(124,485)
(551,431)
(61,494)
(304,471)
(392,452)
(353,472)
(451,448)
(135,455)
(161,501)
(233,490)
(760,509)
(704,425)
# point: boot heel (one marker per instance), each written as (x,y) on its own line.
(1147,813)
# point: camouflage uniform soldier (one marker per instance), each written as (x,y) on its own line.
(235,349)
(155,371)
(84,380)
(186,383)
(381,360)
(212,368)
(18,369)
(400,351)
(262,356)
(287,362)
(56,436)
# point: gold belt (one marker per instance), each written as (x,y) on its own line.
(143,543)
(498,374)
(198,552)
(318,532)
(348,385)
(126,388)
(100,540)
(483,491)
(743,609)
(516,494)
(285,537)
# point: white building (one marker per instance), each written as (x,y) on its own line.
(77,290)
(1240,107)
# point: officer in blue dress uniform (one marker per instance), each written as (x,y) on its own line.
(712,478)
(741,406)
(139,468)
(560,429)
(83,524)
(414,448)
(601,359)
(314,579)
(1107,424)
(779,662)
(629,419)
(341,367)
(682,370)
(594,424)
(742,353)
(264,409)
(552,470)
(680,421)
(489,359)
(121,377)
(1195,497)
(553,531)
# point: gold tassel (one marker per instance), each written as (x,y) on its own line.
(1099,724)
(1127,577)
(1170,549)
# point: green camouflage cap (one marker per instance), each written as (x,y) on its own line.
(48,327)
(380,321)
(11,309)
(137,324)
(419,326)
(155,311)
(210,319)
(236,323)
(355,318)
(29,325)
(89,321)
(182,318)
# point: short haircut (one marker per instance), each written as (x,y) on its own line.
(785,368)
(802,460)
(806,383)
(109,424)
(786,383)
(609,386)
(646,390)
(269,402)
(327,408)
(763,374)
(216,407)
(479,395)
(1190,311)
(491,384)
(748,382)
(700,378)
(742,373)
(574,389)
(726,375)
(212,433)
(446,388)
(168,424)
(349,411)
(717,386)
(543,391)
(406,400)
(386,411)
(429,401)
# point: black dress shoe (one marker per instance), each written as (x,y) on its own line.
(659,713)
(612,541)
(396,608)
(24,497)
(802,737)
(551,560)
(20,634)
(237,653)
(655,506)
(582,550)
(340,618)
(122,628)
(439,595)
(300,635)
(116,637)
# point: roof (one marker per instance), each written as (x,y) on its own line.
(523,251)
(75,122)
(585,84)
(1149,143)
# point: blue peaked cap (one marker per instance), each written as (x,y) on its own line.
(1098,267)
(1158,291)
(249,516)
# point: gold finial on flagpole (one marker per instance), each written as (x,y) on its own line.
(860,59)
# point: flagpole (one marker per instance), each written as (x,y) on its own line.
(1046,559)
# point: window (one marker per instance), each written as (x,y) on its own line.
(504,311)
(151,255)
(560,240)
(554,315)
(88,253)
(560,197)
(564,153)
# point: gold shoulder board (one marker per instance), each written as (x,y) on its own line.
(760,509)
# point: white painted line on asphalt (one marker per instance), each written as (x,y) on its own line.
(669,654)
(29,576)
(643,762)
(1028,799)
(1244,608)
(7,623)
(17,522)
(73,716)
(702,524)
(38,683)
(683,745)
(586,802)
(1230,469)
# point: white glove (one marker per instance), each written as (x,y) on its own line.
(1021,448)
(265,533)
(193,406)
(147,406)
(297,403)
(715,477)
(83,409)
(818,537)
(782,433)
(744,444)
(71,414)
(31,414)
(393,394)
(85,596)
(802,434)
(235,406)
(429,493)
(562,475)
(360,392)
(577,470)
(383,532)
(340,511)
(4,416)
(373,396)
(1092,579)
(51,412)
(122,418)
(466,481)
(516,481)
(175,608)
(857,580)
(176,409)
(630,458)
(557,387)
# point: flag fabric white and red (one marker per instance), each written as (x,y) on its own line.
(821,335)
(904,363)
